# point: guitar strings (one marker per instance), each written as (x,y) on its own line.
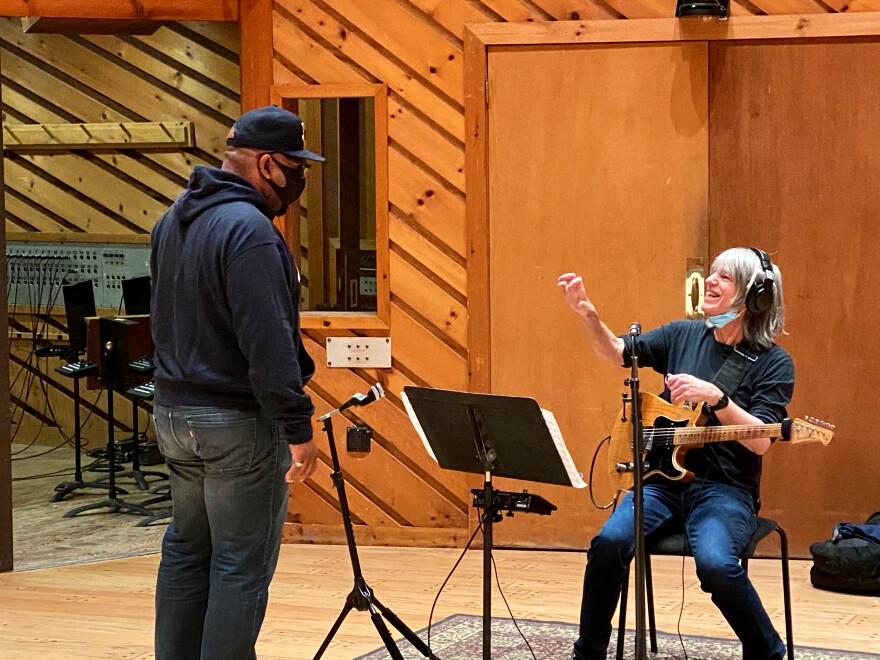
(668,436)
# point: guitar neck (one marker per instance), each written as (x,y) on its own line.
(698,435)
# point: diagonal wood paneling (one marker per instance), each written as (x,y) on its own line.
(411,42)
(364,53)
(176,73)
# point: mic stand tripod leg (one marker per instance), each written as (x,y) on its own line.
(62,490)
(344,613)
(404,630)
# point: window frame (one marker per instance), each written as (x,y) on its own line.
(286,96)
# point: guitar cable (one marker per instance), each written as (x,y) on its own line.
(478,529)
(614,499)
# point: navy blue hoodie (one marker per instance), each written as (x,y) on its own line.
(225,305)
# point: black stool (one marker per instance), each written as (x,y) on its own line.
(677,545)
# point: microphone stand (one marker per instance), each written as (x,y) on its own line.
(641,651)
(362,597)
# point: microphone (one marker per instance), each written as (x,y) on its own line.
(375,392)
(635,330)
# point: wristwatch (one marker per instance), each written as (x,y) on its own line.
(722,403)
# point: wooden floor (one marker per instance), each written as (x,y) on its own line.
(43,537)
(105,609)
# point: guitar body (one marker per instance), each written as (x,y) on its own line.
(664,462)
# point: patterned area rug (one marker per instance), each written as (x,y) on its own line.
(460,637)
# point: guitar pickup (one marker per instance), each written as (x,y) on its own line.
(630,467)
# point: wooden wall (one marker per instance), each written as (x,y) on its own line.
(416,48)
(183,71)
(819,217)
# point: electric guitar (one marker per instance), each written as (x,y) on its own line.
(669,432)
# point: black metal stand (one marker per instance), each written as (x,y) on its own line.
(634,400)
(496,436)
(139,476)
(362,597)
(491,516)
(487,455)
(62,490)
(112,502)
(162,492)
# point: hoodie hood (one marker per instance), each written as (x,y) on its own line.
(209,187)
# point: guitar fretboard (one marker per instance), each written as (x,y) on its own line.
(698,435)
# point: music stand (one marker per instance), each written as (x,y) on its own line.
(492,435)
(136,295)
(114,333)
(79,303)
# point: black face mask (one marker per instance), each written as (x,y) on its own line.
(295,179)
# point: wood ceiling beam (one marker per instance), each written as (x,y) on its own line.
(54,25)
(156,10)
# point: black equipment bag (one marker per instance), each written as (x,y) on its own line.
(850,561)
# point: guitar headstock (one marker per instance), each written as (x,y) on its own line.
(810,430)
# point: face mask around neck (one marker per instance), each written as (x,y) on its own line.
(720,320)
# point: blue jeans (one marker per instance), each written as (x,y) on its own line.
(718,520)
(227,471)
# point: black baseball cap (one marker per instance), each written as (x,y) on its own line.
(271,129)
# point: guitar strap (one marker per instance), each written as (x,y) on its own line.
(731,374)
(728,378)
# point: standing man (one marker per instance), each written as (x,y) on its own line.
(232,419)
(731,365)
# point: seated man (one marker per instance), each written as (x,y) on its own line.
(731,365)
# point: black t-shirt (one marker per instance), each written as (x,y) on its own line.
(689,347)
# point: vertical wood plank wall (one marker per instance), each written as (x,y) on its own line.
(819,218)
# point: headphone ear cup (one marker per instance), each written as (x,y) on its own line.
(759,299)
(761,294)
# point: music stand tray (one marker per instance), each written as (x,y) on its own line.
(492,435)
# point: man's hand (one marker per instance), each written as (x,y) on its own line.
(572,286)
(684,387)
(305,461)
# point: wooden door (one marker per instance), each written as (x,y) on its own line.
(597,163)
(795,153)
